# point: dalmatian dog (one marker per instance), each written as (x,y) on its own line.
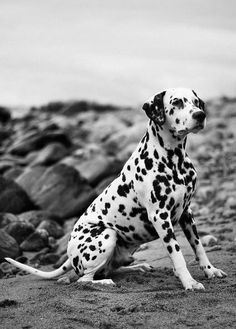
(151,195)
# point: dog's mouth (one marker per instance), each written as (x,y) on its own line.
(194,130)
(198,127)
(183,132)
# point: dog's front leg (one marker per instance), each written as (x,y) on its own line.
(164,228)
(189,228)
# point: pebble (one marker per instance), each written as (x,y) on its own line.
(208,240)
(52,227)
(231,202)
(64,280)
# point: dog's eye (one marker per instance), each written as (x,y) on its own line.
(178,103)
(196,102)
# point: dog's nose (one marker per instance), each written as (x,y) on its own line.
(199,116)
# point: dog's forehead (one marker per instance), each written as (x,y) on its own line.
(179,93)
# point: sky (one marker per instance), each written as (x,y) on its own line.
(119,52)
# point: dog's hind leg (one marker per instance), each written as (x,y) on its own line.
(93,254)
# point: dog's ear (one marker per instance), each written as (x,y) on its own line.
(201,103)
(155,109)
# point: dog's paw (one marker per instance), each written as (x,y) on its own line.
(145,267)
(193,285)
(213,272)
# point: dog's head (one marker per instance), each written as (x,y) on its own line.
(180,109)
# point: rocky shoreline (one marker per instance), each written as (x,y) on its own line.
(57,158)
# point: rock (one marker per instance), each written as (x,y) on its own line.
(5,114)
(74,108)
(8,246)
(64,280)
(13,173)
(50,154)
(5,133)
(104,183)
(208,240)
(7,218)
(28,179)
(36,241)
(6,267)
(35,217)
(19,230)
(52,227)
(93,166)
(62,191)
(49,258)
(37,140)
(203,211)
(52,107)
(105,127)
(124,154)
(62,244)
(120,140)
(5,165)
(231,203)
(13,198)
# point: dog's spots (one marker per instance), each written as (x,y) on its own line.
(144,172)
(165,225)
(177,248)
(107,206)
(156,155)
(123,190)
(170,235)
(161,167)
(123,177)
(161,142)
(86,256)
(148,163)
(131,228)
(164,215)
(75,264)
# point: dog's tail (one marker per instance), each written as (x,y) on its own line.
(46,275)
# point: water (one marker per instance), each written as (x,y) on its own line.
(114,51)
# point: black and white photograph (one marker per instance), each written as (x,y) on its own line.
(117,164)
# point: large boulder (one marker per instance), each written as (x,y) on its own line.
(8,246)
(50,154)
(93,165)
(13,198)
(19,230)
(121,139)
(37,140)
(62,191)
(29,178)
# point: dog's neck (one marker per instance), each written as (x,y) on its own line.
(165,137)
